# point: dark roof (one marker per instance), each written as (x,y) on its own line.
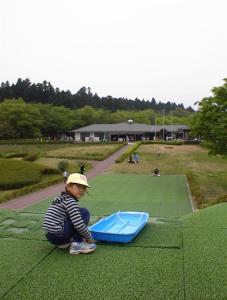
(129,127)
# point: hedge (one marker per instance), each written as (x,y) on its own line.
(128,152)
(17,173)
(163,142)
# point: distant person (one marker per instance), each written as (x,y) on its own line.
(131,161)
(65,175)
(156,172)
(158,152)
(82,167)
(136,158)
(65,222)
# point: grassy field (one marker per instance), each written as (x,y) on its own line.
(209,173)
(65,151)
(49,155)
(178,255)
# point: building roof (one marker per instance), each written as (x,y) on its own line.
(129,128)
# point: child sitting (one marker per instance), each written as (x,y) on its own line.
(66,222)
(156,172)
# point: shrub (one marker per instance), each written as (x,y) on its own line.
(12,155)
(63,165)
(48,171)
(31,157)
(174,142)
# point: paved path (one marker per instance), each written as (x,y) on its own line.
(51,191)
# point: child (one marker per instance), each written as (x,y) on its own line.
(65,222)
(156,172)
(82,168)
(130,161)
(136,158)
(65,175)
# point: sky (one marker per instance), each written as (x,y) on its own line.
(172,50)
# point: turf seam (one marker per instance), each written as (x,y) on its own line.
(13,286)
(182,236)
(144,247)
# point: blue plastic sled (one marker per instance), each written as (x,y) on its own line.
(121,227)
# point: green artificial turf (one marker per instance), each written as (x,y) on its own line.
(155,236)
(159,196)
(109,273)
(173,257)
(21,225)
(213,216)
(204,246)
(18,258)
(205,263)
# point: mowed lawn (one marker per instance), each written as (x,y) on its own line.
(178,255)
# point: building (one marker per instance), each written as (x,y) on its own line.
(129,131)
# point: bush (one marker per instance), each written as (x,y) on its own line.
(192,142)
(12,155)
(31,157)
(63,165)
(49,171)
(28,189)
(174,142)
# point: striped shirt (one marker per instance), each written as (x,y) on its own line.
(62,207)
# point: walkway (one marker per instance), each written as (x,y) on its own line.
(23,201)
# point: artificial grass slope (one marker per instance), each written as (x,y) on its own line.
(205,244)
(21,225)
(159,196)
(109,273)
(138,271)
(18,258)
(163,233)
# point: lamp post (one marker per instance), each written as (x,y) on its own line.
(163,124)
(155,127)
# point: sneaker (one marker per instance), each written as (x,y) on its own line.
(77,248)
(64,246)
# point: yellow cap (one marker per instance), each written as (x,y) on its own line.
(77,178)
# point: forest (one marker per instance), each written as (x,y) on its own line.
(45,93)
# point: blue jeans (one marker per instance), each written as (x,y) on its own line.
(69,232)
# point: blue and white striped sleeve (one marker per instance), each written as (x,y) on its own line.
(73,211)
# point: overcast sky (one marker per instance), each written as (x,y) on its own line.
(172,50)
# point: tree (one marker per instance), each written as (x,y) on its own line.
(56,119)
(19,120)
(211,120)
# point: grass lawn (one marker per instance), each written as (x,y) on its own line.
(88,152)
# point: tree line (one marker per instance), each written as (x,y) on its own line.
(34,110)
(19,119)
(45,93)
